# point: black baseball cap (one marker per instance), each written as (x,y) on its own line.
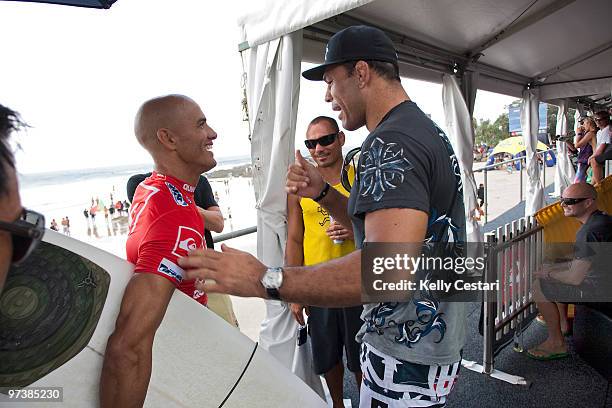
(352,44)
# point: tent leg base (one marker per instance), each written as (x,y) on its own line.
(500,375)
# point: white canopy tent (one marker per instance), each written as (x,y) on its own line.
(556,51)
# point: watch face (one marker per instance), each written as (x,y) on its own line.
(272,278)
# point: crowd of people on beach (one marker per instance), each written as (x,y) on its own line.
(65,225)
(117,208)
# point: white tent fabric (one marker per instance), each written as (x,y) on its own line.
(273,19)
(510,43)
(564,171)
(272,95)
(580,111)
(529,124)
(461,134)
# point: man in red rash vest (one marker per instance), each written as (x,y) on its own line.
(164,226)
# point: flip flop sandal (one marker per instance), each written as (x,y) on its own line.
(546,357)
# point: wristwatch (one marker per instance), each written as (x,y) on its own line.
(272,280)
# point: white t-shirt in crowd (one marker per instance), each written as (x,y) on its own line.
(604,135)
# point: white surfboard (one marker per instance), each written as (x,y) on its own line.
(198,359)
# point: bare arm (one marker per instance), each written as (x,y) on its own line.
(575,274)
(127,361)
(337,205)
(213,218)
(294,252)
(600,149)
(334,283)
(584,140)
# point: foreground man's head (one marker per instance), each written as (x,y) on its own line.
(10,203)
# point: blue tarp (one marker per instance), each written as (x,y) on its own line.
(101,4)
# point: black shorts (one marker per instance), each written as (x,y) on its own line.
(606,155)
(583,294)
(331,331)
(561,292)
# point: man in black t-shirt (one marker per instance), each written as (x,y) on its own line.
(204,198)
(586,278)
(407,190)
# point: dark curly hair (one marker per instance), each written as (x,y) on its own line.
(10,121)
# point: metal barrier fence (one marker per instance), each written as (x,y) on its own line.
(511,162)
(513,252)
(234,234)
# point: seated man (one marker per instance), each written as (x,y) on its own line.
(164,225)
(585,278)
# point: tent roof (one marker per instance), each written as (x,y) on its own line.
(564,47)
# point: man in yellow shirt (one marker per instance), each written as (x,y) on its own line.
(313,237)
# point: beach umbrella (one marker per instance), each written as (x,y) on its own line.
(514,145)
(101,4)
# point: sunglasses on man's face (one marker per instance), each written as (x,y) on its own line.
(323,141)
(572,201)
(26,232)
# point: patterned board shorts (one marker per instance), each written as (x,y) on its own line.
(391,383)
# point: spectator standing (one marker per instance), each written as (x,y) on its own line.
(603,149)
(314,238)
(585,142)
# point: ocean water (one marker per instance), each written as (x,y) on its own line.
(61,194)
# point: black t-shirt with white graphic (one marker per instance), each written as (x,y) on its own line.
(408,162)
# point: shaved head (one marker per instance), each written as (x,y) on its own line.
(163,112)
(175,131)
(580,190)
(582,209)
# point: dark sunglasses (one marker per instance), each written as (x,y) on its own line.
(323,141)
(572,201)
(26,231)
(350,160)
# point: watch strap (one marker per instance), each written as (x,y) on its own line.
(323,193)
(273,293)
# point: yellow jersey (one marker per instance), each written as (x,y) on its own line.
(318,246)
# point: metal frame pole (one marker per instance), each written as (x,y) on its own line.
(521,183)
(486,197)
(489,306)
(544,171)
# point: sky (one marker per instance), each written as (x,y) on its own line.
(77,76)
